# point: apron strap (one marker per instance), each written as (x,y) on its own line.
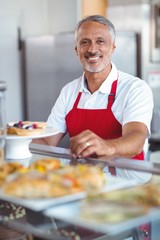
(112,94)
(77,100)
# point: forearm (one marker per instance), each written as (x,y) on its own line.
(40,141)
(51,141)
(126,146)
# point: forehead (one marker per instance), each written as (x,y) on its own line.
(89,29)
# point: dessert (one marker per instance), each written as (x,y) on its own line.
(25,128)
(40,185)
(59,182)
(120,205)
(45,164)
(10,168)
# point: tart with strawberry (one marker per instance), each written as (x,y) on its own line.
(25,128)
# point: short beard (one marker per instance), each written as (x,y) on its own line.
(90,69)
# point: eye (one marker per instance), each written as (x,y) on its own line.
(84,42)
(100,41)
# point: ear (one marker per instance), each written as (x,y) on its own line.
(113,47)
(76,50)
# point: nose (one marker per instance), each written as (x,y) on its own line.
(92,47)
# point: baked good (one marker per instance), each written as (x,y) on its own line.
(59,182)
(89,176)
(45,164)
(9,168)
(25,128)
(39,185)
(120,205)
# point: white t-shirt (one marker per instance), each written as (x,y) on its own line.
(133,102)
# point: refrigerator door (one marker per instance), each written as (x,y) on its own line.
(126,53)
(49,63)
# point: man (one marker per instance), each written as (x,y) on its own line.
(106,112)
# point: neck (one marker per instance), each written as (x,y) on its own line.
(95,80)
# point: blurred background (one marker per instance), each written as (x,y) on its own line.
(37,49)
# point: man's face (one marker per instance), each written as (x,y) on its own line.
(94,46)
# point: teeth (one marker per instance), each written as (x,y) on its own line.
(94,58)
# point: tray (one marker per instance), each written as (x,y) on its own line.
(71,212)
(41,204)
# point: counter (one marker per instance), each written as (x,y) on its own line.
(39,223)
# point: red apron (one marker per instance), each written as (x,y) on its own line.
(100,121)
(103,123)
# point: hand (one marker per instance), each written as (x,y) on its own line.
(88,144)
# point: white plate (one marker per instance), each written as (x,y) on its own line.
(41,204)
(17,147)
(48,131)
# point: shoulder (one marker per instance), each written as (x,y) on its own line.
(69,92)
(133,82)
(133,88)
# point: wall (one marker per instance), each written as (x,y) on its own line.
(62,15)
(127,2)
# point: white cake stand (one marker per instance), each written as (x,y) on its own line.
(17,147)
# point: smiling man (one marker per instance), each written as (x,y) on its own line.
(106,112)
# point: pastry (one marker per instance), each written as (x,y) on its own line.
(59,182)
(119,205)
(89,176)
(38,185)
(25,128)
(9,168)
(46,164)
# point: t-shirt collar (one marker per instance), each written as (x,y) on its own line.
(106,85)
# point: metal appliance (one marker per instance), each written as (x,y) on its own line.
(142,17)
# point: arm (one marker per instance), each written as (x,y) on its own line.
(51,141)
(130,144)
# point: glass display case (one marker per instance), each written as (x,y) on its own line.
(68,217)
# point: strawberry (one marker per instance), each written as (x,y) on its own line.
(20,124)
(35,125)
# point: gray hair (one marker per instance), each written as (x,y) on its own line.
(99,19)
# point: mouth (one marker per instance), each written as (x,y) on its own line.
(93,59)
